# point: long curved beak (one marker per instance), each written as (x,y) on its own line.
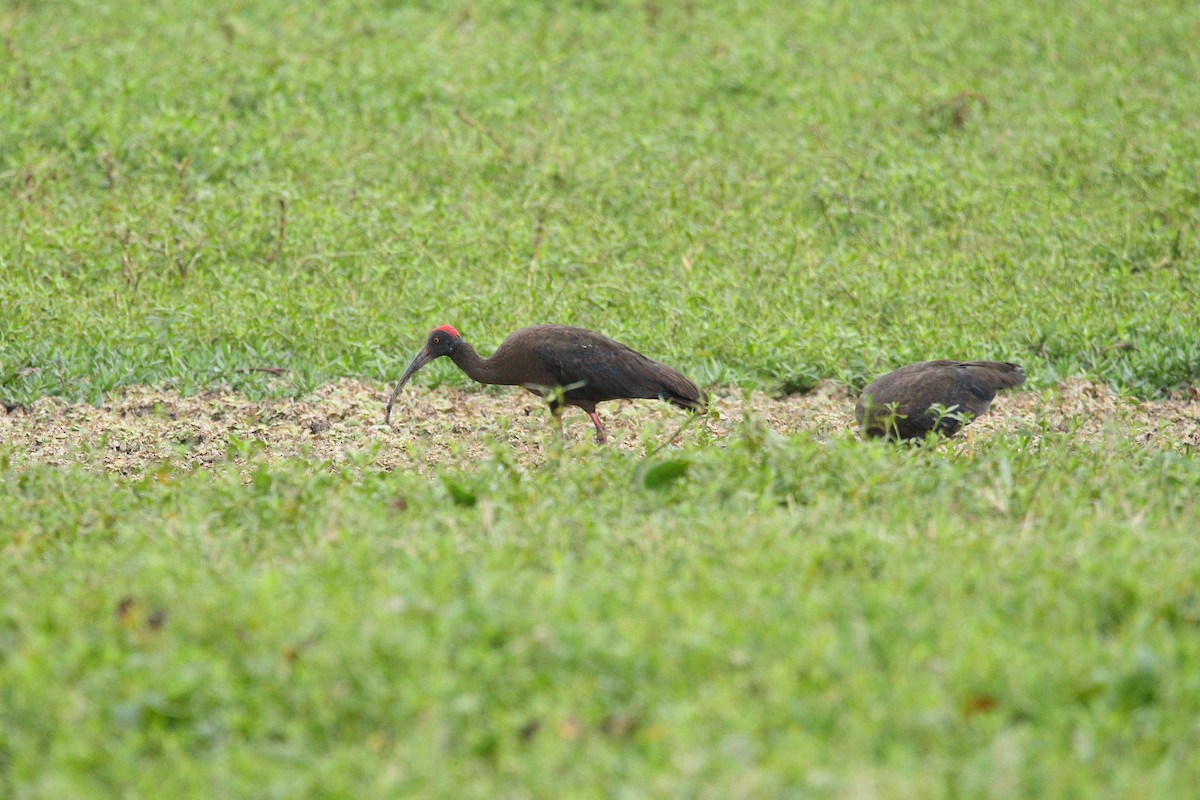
(421,360)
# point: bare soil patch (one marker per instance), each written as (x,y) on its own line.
(342,422)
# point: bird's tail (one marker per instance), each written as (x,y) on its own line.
(999,374)
(670,385)
(695,400)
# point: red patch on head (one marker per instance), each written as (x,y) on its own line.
(447,329)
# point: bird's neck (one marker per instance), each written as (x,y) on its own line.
(477,368)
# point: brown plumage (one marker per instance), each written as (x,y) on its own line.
(898,404)
(565,365)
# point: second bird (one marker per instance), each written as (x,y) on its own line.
(902,404)
(566,365)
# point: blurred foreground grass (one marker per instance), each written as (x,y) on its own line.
(778,617)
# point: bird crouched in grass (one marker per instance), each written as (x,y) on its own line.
(904,404)
(565,365)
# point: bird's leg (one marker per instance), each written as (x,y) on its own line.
(600,437)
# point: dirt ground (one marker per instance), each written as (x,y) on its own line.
(343,422)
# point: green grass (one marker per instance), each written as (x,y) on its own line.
(785,618)
(761,193)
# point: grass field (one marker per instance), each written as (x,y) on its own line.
(219,210)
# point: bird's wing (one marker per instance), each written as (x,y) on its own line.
(595,368)
(913,388)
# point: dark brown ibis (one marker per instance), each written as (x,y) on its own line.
(903,404)
(565,365)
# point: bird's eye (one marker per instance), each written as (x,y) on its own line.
(436,340)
